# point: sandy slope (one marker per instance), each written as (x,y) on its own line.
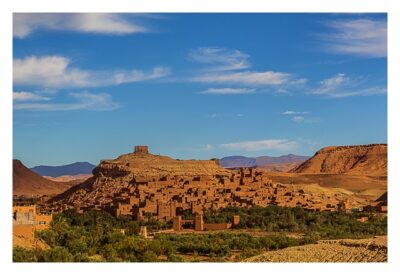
(368,159)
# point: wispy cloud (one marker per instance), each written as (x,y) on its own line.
(29,96)
(290,113)
(82,101)
(245,78)
(361,37)
(227,67)
(300,116)
(258,145)
(220,59)
(228,91)
(101,23)
(57,72)
(341,85)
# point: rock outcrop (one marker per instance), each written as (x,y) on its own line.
(359,159)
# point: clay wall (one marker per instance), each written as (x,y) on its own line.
(216,226)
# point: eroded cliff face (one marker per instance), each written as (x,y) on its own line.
(362,159)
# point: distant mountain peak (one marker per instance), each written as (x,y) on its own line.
(76,168)
(241,161)
(28,183)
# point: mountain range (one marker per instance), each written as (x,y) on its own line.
(77,168)
(241,161)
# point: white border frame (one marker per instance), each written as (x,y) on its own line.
(156,6)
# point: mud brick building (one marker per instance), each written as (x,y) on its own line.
(140,184)
(26,220)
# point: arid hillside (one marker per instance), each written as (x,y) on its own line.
(369,187)
(279,167)
(28,183)
(360,159)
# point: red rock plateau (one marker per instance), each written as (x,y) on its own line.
(360,169)
(362,159)
(141,183)
(27,183)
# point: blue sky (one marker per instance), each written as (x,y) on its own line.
(91,86)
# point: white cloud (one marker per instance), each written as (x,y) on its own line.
(342,86)
(267,144)
(331,84)
(245,78)
(362,37)
(294,113)
(240,115)
(298,119)
(102,23)
(57,72)
(29,96)
(221,59)
(228,91)
(226,66)
(82,101)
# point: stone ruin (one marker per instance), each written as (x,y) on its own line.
(141,149)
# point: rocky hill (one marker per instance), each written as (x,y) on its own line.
(112,175)
(28,183)
(145,183)
(149,165)
(359,159)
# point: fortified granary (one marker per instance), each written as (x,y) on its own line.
(141,184)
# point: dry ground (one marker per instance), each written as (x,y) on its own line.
(364,186)
(29,243)
(347,250)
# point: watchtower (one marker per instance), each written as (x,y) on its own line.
(141,149)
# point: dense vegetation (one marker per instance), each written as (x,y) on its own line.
(331,225)
(98,236)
